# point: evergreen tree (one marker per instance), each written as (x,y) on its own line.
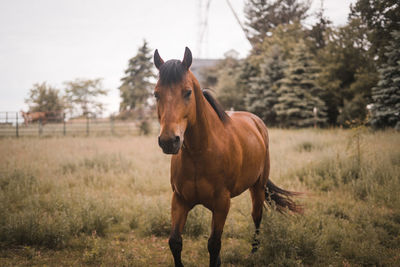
(318,30)
(136,85)
(286,37)
(231,78)
(299,102)
(347,72)
(265,15)
(228,91)
(248,69)
(386,95)
(381,18)
(263,95)
(353,111)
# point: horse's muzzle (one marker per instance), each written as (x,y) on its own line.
(170,145)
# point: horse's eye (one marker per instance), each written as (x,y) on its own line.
(187,94)
(157,95)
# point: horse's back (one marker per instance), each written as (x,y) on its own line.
(250,124)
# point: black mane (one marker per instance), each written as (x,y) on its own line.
(223,116)
(172,72)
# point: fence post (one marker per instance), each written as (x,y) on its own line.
(16,125)
(112,124)
(40,127)
(6,118)
(64,126)
(315,111)
(87,124)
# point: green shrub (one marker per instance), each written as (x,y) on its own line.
(234,252)
(156,220)
(95,251)
(34,226)
(133,223)
(68,168)
(145,127)
(35,213)
(305,146)
(197,222)
(315,240)
(374,179)
(96,217)
(31,227)
(286,243)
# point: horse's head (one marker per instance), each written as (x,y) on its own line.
(176,105)
(24,114)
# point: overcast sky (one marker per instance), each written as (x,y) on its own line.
(57,41)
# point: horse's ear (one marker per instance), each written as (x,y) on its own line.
(158,61)
(187,58)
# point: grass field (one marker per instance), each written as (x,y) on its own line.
(104,201)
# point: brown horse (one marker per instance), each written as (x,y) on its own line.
(30,117)
(216,156)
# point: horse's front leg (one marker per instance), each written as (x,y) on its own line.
(179,212)
(220,211)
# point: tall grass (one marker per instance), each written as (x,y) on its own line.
(39,213)
(55,197)
(106,201)
(352,213)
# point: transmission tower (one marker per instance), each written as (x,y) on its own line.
(238,20)
(203,8)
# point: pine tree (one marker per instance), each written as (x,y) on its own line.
(386,95)
(347,72)
(247,70)
(262,16)
(299,102)
(318,31)
(380,18)
(228,92)
(263,95)
(136,85)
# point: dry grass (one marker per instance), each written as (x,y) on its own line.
(105,201)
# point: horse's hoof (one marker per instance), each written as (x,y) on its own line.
(255,247)
(219,262)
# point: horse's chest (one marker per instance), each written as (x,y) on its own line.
(198,190)
(198,182)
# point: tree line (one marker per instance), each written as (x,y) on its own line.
(78,98)
(296,75)
(299,76)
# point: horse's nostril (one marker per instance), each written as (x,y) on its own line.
(170,143)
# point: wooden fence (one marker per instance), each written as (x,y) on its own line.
(12,125)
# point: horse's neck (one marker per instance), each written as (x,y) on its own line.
(199,135)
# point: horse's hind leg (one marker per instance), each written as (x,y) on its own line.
(179,212)
(257,196)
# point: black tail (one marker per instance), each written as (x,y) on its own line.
(281,198)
